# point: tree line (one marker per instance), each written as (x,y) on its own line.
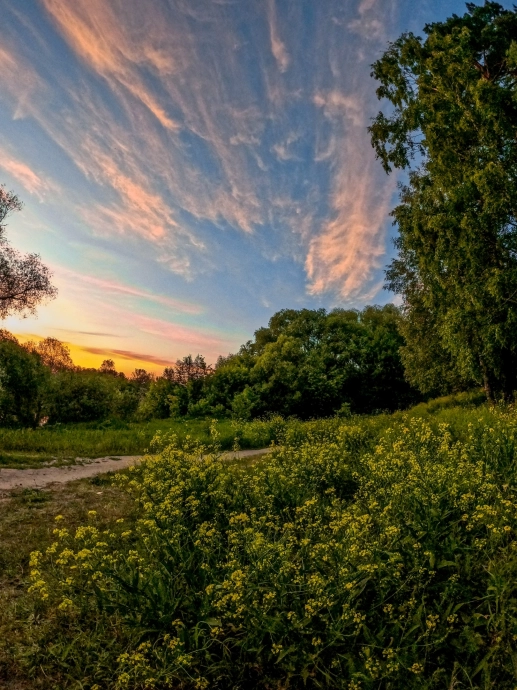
(308,363)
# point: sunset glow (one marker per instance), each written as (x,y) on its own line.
(190,167)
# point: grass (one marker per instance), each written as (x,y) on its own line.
(26,523)
(62,444)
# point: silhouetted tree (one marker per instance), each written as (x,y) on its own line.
(189,369)
(24,280)
(142,377)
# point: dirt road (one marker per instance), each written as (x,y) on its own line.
(37,479)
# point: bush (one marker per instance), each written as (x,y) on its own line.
(23,386)
(333,564)
(82,397)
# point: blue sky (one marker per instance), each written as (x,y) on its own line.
(189,167)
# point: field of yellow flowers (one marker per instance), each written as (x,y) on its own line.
(348,559)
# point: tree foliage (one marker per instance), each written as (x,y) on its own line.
(452,125)
(23,384)
(309,363)
(25,281)
(53,353)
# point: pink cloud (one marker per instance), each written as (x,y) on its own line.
(343,257)
(277,45)
(111,286)
(85,25)
(127,354)
(117,46)
(193,338)
(21,172)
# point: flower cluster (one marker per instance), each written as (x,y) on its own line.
(334,563)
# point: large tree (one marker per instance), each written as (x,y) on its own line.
(53,353)
(24,281)
(452,124)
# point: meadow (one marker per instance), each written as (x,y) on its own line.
(370,552)
(63,443)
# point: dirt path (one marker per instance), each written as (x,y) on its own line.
(37,479)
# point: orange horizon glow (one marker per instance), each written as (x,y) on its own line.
(93,357)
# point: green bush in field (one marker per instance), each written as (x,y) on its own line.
(81,396)
(23,386)
(336,563)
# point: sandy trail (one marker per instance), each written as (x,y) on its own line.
(11,479)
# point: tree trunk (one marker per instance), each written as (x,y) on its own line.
(487,382)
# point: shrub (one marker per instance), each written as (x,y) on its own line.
(82,396)
(23,386)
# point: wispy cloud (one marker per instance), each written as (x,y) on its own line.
(110,287)
(121,47)
(191,120)
(21,172)
(127,354)
(277,45)
(94,333)
(192,338)
(345,254)
(98,35)
(20,80)
(283,150)
(371,20)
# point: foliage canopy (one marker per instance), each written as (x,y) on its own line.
(451,124)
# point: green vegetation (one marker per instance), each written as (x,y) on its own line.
(307,363)
(26,523)
(367,551)
(63,443)
(452,126)
(311,363)
(31,447)
(371,552)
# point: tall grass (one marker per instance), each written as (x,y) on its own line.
(112,437)
(29,446)
(374,553)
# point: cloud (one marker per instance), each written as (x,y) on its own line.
(85,26)
(337,105)
(94,333)
(122,48)
(21,172)
(372,20)
(282,149)
(127,354)
(277,45)
(182,122)
(192,338)
(111,286)
(20,80)
(347,251)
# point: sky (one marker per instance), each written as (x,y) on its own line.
(190,167)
